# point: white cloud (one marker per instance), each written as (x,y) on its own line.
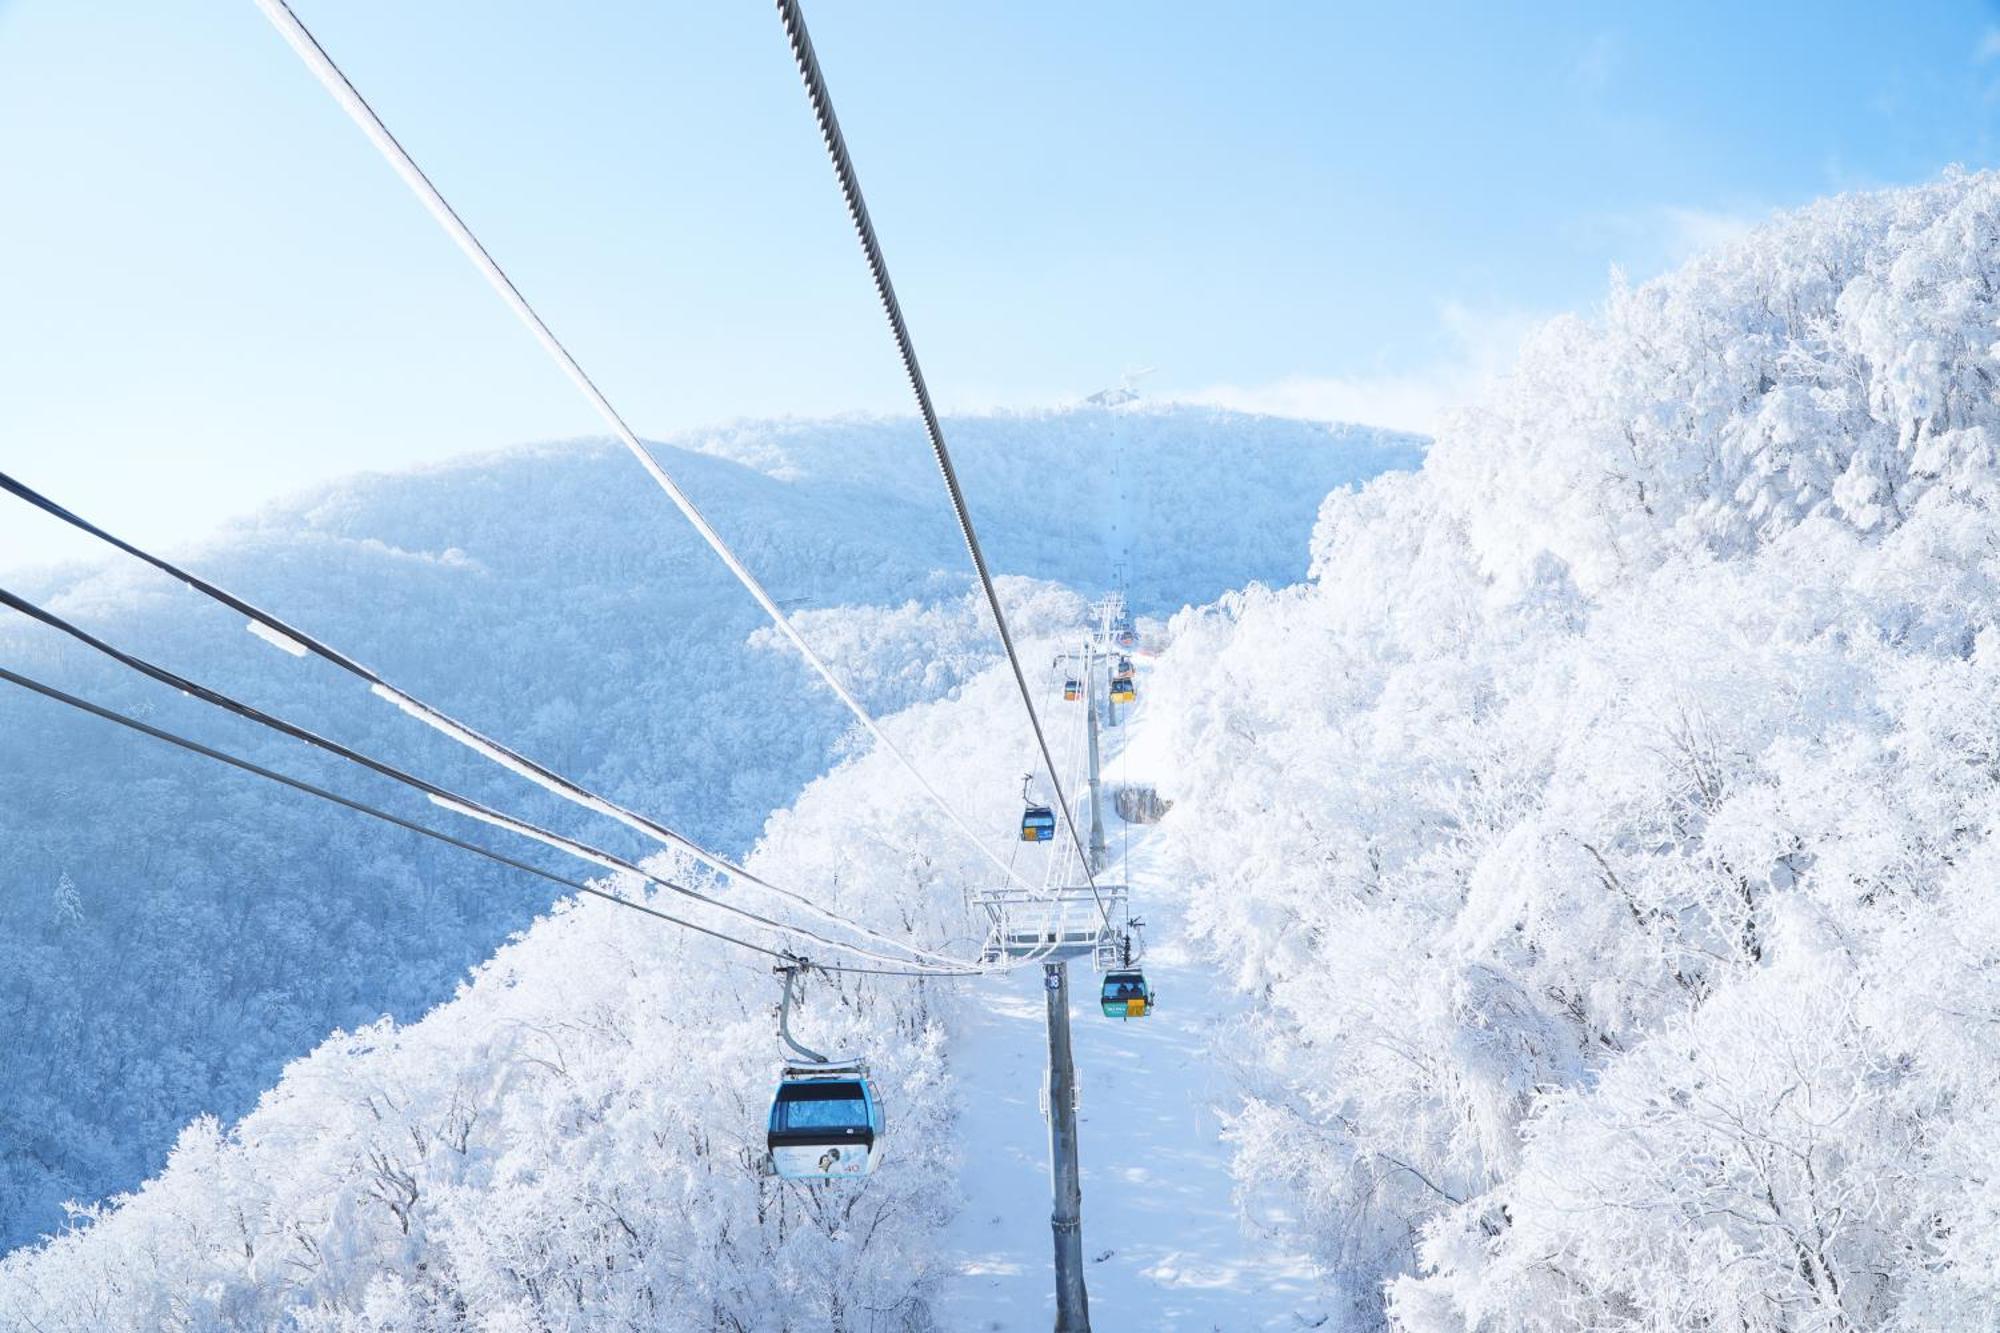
(1692,231)
(1484,342)
(1648,241)
(1418,399)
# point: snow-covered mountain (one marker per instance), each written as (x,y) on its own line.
(1608,827)
(572,1141)
(172,934)
(1601,838)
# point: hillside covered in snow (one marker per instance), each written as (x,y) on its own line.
(171,934)
(1607,830)
(1599,841)
(573,1141)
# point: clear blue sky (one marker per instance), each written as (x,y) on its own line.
(212,291)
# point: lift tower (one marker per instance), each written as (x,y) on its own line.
(1096,797)
(1066,1221)
(1077,921)
(1091,921)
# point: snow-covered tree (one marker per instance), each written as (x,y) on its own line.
(546,596)
(1608,827)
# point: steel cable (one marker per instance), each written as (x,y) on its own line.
(439,795)
(864,228)
(322,65)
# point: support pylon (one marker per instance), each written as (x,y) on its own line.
(1072,1300)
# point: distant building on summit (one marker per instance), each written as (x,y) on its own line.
(1126,392)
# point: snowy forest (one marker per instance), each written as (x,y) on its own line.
(1591,811)
(1607,826)
(181,934)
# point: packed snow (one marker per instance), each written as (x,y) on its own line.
(277,638)
(1163,1239)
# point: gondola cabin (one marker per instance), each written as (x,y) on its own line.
(1038,824)
(1072,690)
(1125,638)
(1126,994)
(1123,691)
(1124,667)
(825,1124)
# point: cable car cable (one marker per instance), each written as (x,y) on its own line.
(885,291)
(329,74)
(449,799)
(362,807)
(790,964)
(484,745)
(389,817)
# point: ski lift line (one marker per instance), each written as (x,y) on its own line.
(322,65)
(1058,868)
(885,291)
(362,807)
(485,746)
(1075,756)
(450,799)
(388,817)
(1051,875)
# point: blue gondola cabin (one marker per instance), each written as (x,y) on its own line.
(1038,824)
(1126,994)
(824,1126)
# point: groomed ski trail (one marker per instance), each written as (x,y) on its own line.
(1163,1244)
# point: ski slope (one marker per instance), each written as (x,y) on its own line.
(1161,1233)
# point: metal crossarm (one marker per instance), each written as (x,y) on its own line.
(1070,923)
